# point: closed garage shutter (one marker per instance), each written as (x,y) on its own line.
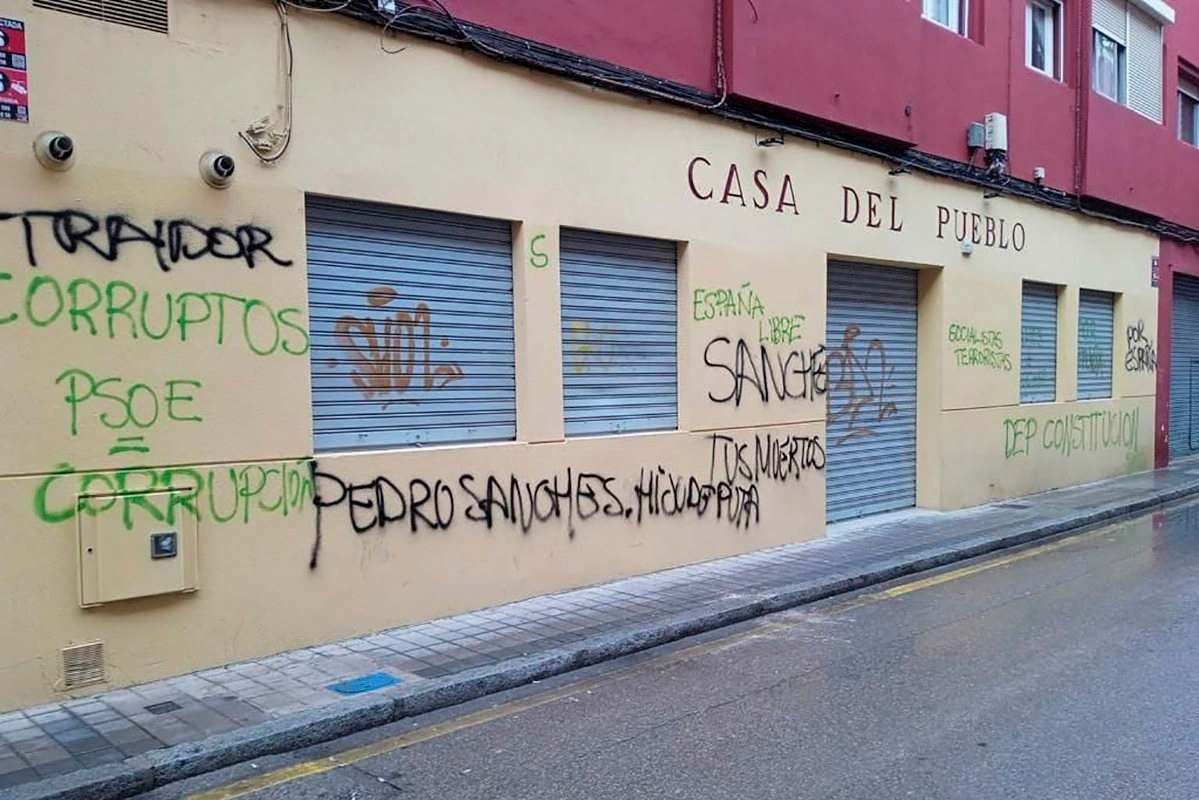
(1184,367)
(871,434)
(411,324)
(1096,333)
(1038,343)
(619,333)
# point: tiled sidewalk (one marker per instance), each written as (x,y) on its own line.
(49,740)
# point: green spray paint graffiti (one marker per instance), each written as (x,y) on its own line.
(118,310)
(1072,433)
(745,302)
(979,348)
(147,495)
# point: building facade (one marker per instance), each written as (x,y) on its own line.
(461,331)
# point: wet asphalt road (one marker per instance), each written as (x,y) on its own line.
(1070,670)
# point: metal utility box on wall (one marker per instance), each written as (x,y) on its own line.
(116,563)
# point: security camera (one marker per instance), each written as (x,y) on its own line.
(216,168)
(54,150)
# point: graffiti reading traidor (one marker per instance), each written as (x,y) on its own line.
(171,240)
(1072,433)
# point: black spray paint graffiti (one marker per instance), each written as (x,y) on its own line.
(728,493)
(774,374)
(1141,355)
(861,378)
(173,240)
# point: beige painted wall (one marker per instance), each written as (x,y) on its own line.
(436,128)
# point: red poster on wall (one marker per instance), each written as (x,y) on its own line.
(14,75)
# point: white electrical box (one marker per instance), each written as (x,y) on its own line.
(996,131)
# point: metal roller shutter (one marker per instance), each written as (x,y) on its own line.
(1038,343)
(871,432)
(1096,336)
(1109,16)
(1184,367)
(1144,64)
(411,324)
(619,333)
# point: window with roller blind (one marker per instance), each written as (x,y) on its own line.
(1188,111)
(1126,53)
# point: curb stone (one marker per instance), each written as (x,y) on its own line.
(304,729)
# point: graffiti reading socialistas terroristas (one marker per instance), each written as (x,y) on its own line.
(389,354)
(979,348)
(1068,434)
(172,241)
(1141,355)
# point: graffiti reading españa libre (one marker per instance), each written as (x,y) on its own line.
(1072,433)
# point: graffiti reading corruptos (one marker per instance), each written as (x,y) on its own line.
(172,240)
(1140,356)
(728,492)
(1072,433)
(389,354)
(979,348)
(859,379)
(120,310)
(773,374)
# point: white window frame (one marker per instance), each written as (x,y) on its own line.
(1188,88)
(1054,43)
(959,16)
(1121,67)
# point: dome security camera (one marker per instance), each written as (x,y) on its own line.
(216,168)
(54,150)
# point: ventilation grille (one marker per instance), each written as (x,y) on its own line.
(150,15)
(83,665)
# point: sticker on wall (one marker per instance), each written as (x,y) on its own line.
(14,77)
(1155,271)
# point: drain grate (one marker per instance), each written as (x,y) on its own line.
(1014,504)
(163,708)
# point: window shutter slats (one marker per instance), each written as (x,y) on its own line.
(1144,64)
(1109,17)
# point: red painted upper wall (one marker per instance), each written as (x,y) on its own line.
(877,66)
(673,40)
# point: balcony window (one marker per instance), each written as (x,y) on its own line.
(1042,35)
(1109,67)
(1188,111)
(949,14)
(1127,59)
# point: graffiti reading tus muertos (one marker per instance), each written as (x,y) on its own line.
(172,240)
(859,378)
(389,354)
